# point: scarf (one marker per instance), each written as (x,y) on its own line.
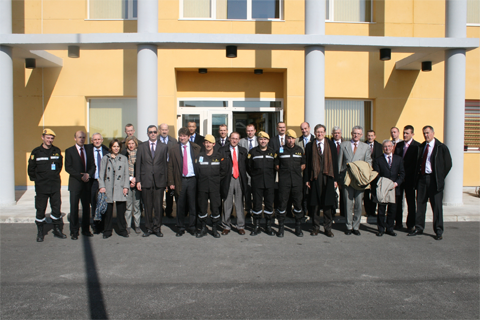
(327,160)
(132,158)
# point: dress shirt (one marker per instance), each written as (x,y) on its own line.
(353,144)
(84,153)
(95,152)
(428,163)
(191,172)
(280,140)
(322,145)
(222,141)
(154,145)
(192,137)
(164,140)
(337,143)
(236,151)
(306,139)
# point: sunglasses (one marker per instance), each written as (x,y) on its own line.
(150,132)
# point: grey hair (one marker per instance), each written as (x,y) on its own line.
(357,128)
(98,134)
(386,141)
(336,128)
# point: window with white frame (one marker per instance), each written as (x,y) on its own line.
(473,12)
(112,9)
(349,10)
(348,113)
(472,125)
(231,9)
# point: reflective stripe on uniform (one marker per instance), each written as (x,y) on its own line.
(215,163)
(215,217)
(201,217)
(257,212)
(287,156)
(296,156)
(267,212)
(54,157)
(269,157)
(258,157)
(297,210)
(54,218)
(42,158)
(281,211)
(40,220)
(204,163)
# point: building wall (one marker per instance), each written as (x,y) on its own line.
(399,97)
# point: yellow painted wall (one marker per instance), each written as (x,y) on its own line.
(471,174)
(399,97)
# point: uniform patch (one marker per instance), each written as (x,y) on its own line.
(32,157)
(249,156)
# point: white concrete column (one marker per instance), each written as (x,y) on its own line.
(7,161)
(147,71)
(454,102)
(315,64)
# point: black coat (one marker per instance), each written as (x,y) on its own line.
(328,194)
(396,173)
(209,171)
(274,143)
(377,150)
(74,167)
(409,161)
(218,145)
(40,166)
(441,161)
(175,164)
(242,168)
(261,167)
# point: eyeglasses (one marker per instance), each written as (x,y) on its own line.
(150,132)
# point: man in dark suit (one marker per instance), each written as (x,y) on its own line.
(80,165)
(182,179)
(151,177)
(408,150)
(376,151)
(433,163)
(321,175)
(234,183)
(223,139)
(337,140)
(194,136)
(388,166)
(170,141)
(302,142)
(98,150)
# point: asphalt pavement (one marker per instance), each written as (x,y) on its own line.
(241,277)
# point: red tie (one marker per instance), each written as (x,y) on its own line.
(424,160)
(235,164)
(355,148)
(185,161)
(338,148)
(390,161)
(82,156)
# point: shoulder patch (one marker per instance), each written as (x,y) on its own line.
(275,155)
(32,157)
(249,156)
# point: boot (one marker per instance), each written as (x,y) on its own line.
(57,232)
(203,231)
(268,228)
(40,235)
(256,229)
(298,228)
(281,229)
(214,230)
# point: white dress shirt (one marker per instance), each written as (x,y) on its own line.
(191,172)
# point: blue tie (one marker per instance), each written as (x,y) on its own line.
(250,145)
(99,161)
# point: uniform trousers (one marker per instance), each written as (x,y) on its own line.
(234,191)
(353,200)
(99,225)
(427,190)
(411,205)
(121,223)
(215,203)
(260,196)
(41,201)
(153,201)
(186,202)
(133,207)
(82,195)
(383,225)
(286,194)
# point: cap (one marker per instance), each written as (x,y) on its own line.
(263,134)
(48,131)
(291,133)
(210,138)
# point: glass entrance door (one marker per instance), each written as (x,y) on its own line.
(263,121)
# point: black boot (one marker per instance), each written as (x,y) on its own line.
(281,229)
(298,228)
(57,232)
(268,228)
(40,235)
(214,230)
(256,229)
(203,231)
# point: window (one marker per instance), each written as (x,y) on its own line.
(112,9)
(349,10)
(231,9)
(109,117)
(472,125)
(473,12)
(348,113)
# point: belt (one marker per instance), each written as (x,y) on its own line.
(188,177)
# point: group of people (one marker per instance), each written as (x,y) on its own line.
(276,176)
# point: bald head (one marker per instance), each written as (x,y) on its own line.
(163,130)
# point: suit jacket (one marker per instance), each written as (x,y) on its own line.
(275,143)
(346,154)
(242,169)
(341,141)
(74,167)
(441,162)
(105,151)
(377,150)
(151,172)
(218,145)
(396,173)
(244,143)
(175,164)
(409,161)
(299,141)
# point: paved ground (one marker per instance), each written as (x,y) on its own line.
(241,276)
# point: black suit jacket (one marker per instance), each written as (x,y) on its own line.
(396,173)
(441,162)
(175,164)
(409,161)
(91,149)
(377,150)
(218,145)
(275,143)
(151,172)
(242,168)
(75,168)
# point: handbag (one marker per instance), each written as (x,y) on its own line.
(101,206)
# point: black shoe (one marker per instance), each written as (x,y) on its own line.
(281,231)
(391,233)
(329,233)
(269,231)
(40,235)
(215,232)
(356,232)
(268,228)
(298,231)
(438,237)
(74,236)
(414,233)
(180,233)
(398,227)
(159,234)
(314,232)
(192,231)
(124,235)
(379,233)
(256,230)
(87,234)
(57,232)
(348,232)
(106,237)
(202,232)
